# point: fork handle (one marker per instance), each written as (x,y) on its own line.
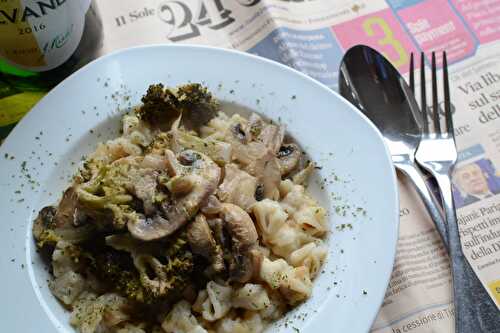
(415,175)
(474,308)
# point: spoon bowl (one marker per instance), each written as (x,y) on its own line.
(375,87)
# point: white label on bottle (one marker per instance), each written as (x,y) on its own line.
(40,35)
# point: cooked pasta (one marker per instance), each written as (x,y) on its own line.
(192,221)
(251,297)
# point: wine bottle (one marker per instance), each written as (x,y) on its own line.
(41,43)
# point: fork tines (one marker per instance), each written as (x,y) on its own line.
(435,103)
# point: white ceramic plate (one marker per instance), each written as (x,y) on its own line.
(82,110)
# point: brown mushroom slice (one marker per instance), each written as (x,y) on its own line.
(203,176)
(174,167)
(200,236)
(154,161)
(150,228)
(239,225)
(245,266)
(288,157)
(202,242)
(241,229)
(125,242)
(182,208)
(217,227)
(211,206)
(179,185)
(66,222)
(238,187)
(67,214)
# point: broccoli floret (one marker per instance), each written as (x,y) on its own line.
(175,261)
(161,106)
(44,228)
(117,268)
(107,196)
(197,105)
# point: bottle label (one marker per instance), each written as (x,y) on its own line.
(39,35)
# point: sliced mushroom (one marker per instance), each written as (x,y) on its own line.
(180,185)
(66,222)
(174,167)
(67,214)
(200,236)
(217,227)
(203,175)
(212,206)
(203,243)
(240,226)
(151,228)
(241,229)
(288,157)
(238,187)
(127,243)
(154,161)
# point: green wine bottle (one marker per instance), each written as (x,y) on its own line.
(41,43)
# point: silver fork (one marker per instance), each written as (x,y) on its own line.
(437,153)
(427,139)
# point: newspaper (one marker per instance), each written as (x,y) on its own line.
(311,36)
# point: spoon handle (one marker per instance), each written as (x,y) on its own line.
(414,174)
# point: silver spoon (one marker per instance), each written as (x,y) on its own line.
(375,87)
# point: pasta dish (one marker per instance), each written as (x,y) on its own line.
(191,221)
